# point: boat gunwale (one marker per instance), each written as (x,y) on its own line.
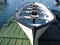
(31,27)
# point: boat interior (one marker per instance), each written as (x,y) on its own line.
(34,14)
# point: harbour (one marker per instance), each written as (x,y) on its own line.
(10,36)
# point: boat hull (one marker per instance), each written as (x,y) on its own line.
(41,31)
(29,32)
(34,24)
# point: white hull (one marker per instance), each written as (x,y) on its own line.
(29,32)
(37,27)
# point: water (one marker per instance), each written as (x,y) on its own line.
(6,11)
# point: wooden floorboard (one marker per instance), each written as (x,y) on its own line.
(5,42)
(7,29)
(1,39)
(12,42)
(19,42)
(26,42)
(17,30)
(12,29)
(12,34)
(2,29)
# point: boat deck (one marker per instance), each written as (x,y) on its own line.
(12,34)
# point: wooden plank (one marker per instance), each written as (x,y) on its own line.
(12,42)
(22,34)
(26,42)
(16,31)
(19,30)
(1,39)
(7,29)
(9,33)
(5,42)
(2,29)
(19,42)
(12,29)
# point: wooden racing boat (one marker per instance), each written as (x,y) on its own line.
(34,18)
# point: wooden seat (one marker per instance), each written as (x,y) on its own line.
(34,5)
